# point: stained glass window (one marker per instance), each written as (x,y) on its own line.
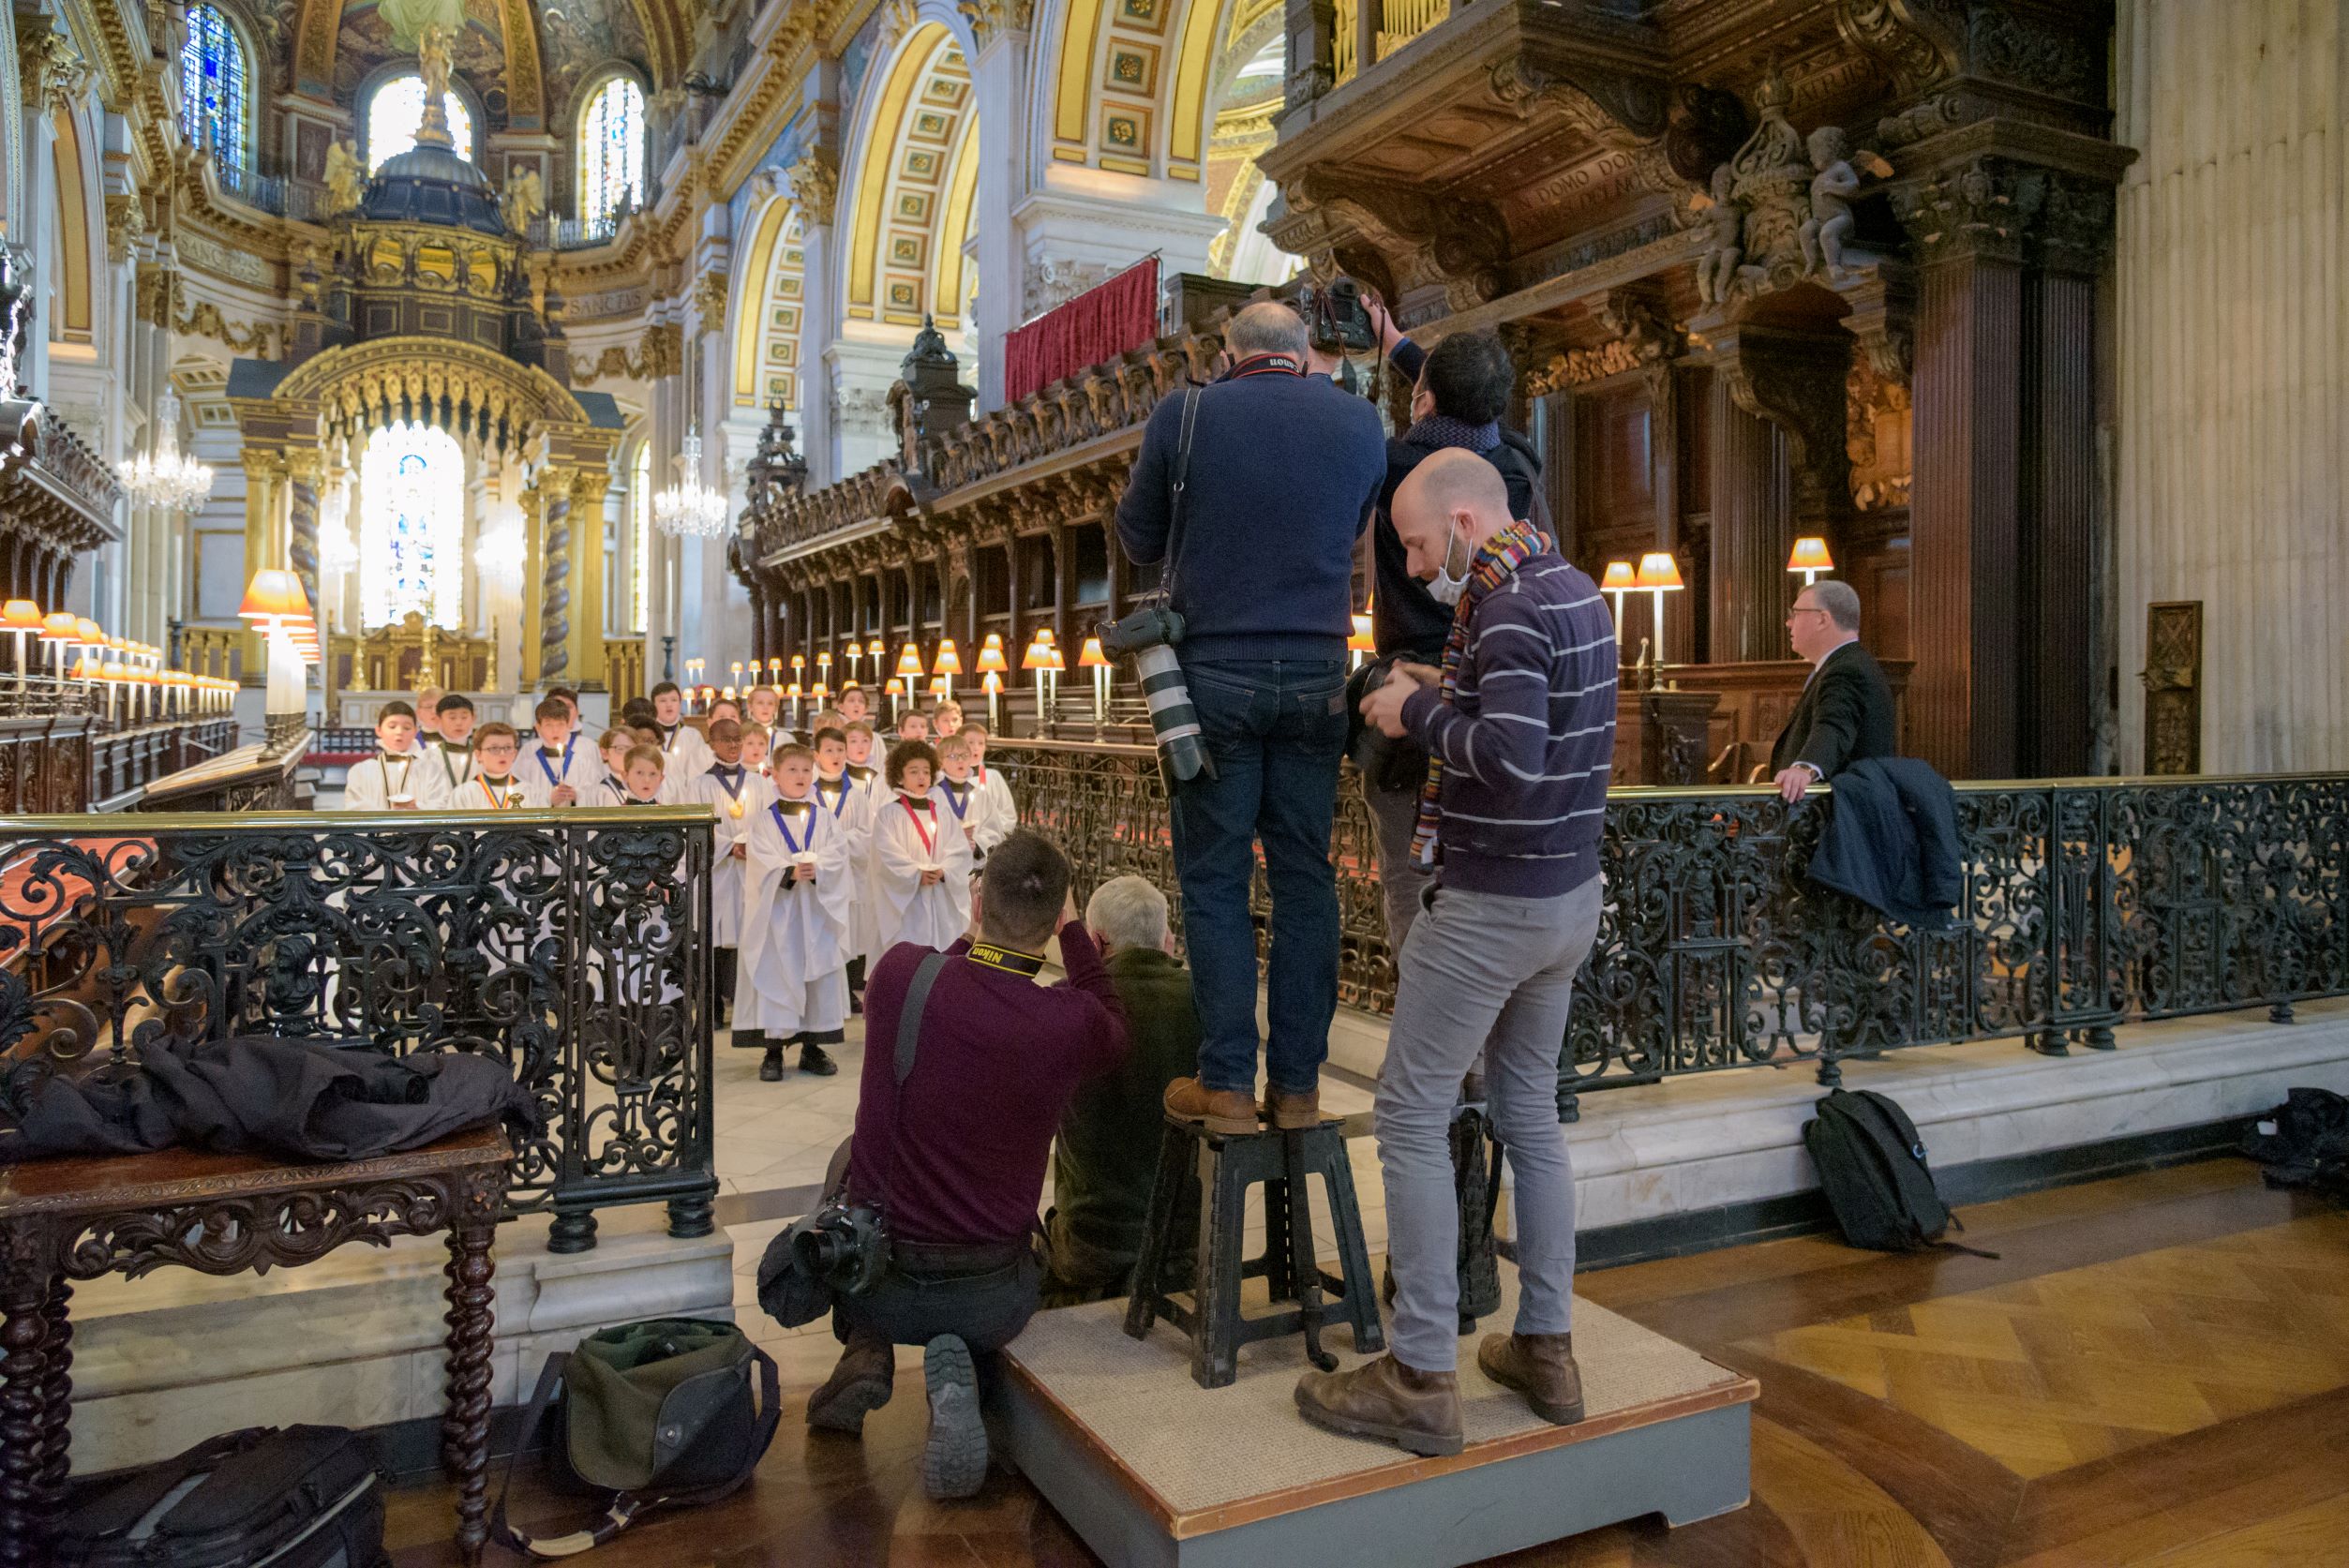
(640,534)
(395,109)
(412,529)
(611,150)
(212,84)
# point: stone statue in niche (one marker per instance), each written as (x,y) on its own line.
(525,198)
(346,176)
(1832,187)
(1725,229)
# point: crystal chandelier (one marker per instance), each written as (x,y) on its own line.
(164,478)
(336,552)
(689,508)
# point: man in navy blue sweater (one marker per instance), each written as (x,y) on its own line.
(1520,724)
(1283,471)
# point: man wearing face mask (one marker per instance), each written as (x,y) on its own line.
(1256,515)
(1462,392)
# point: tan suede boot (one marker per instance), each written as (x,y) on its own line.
(1540,1366)
(860,1384)
(1294,1113)
(1418,1411)
(1230,1112)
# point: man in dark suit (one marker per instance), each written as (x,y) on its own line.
(1845,711)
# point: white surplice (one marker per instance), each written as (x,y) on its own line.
(794,948)
(733,809)
(908,837)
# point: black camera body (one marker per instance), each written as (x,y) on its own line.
(1335,320)
(1151,625)
(840,1249)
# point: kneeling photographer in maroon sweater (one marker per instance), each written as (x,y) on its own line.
(955,1118)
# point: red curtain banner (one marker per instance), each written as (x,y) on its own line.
(1099,324)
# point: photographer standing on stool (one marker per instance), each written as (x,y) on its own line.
(1519,724)
(1256,519)
(953,1156)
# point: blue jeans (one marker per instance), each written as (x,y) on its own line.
(1276,730)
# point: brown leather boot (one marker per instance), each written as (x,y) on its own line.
(860,1384)
(1540,1366)
(1419,1411)
(1294,1113)
(1230,1112)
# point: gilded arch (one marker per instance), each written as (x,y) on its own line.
(769,316)
(914,173)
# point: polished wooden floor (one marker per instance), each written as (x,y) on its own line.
(2154,1371)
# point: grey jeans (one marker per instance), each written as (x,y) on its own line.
(1394,813)
(1480,971)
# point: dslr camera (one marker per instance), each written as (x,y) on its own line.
(1335,320)
(1149,633)
(840,1249)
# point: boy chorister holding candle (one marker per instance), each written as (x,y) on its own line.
(680,744)
(999,815)
(795,924)
(613,746)
(922,862)
(554,772)
(765,707)
(493,787)
(395,778)
(734,795)
(757,744)
(450,760)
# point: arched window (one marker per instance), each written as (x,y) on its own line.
(212,84)
(411,526)
(611,150)
(395,109)
(640,535)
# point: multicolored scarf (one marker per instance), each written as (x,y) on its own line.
(1494,563)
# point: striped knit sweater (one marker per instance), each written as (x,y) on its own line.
(1529,738)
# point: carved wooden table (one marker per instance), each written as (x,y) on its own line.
(67,1220)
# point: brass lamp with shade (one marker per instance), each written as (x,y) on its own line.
(1810,558)
(946,666)
(1091,657)
(1659,573)
(1621,578)
(21,618)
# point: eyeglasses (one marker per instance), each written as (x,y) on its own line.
(1805,609)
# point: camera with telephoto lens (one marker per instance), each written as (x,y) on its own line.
(1149,633)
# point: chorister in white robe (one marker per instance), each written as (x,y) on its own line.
(999,816)
(960,810)
(853,800)
(541,771)
(909,837)
(609,790)
(684,753)
(449,767)
(794,949)
(735,795)
(372,786)
(482,793)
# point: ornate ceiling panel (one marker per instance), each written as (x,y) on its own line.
(335,43)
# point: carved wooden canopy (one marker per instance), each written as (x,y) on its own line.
(466,391)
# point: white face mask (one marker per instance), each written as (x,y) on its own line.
(1447,588)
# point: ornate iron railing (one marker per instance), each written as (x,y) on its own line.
(2088,904)
(572,946)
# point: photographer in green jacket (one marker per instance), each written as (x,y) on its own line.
(1107,1152)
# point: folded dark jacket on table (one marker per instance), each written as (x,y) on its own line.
(265,1094)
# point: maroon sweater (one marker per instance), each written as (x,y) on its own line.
(962,1158)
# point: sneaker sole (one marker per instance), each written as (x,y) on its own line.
(1427,1445)
(845,1411)
(954,1462)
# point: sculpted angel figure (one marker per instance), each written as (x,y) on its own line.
(1725,226)
(345,177)
(1828,226)
(525,198)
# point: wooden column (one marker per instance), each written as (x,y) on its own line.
(1753,529)
(2064,566)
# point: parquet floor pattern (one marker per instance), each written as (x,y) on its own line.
(2155,1371)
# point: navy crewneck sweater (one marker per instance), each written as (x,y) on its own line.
(1284,470)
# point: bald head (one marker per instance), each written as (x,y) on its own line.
(1454,493)
(1266,327)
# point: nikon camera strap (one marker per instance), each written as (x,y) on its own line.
(1175,494)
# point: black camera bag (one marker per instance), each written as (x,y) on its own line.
(266,1497)
(788,1291)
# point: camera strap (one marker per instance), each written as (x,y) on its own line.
(1175,497)
(908,1041)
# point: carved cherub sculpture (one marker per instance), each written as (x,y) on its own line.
(525,198)
(1828,226)
(345,177)
(1725,226)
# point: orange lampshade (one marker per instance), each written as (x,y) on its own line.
(937,686)
(895,685)
(275,594)
(949,661)
(1052,660)
(874,648)
(1621,576)
(821,693)
(909,661)
(1092,656)
(20,615)
(86,631)
(1360,642)
(1657,569)
(1810,555)
(61,627)
(791,691)
(1043,635)
(799,662)
(991,659)
(1038,655)
(824,659)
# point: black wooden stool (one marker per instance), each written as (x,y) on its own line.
(1476,1188)
(1227,1165)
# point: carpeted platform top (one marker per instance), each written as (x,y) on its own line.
(1211,1450)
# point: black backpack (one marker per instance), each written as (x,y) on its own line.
(296,1497)
(1872,1167)
(2304,1142)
